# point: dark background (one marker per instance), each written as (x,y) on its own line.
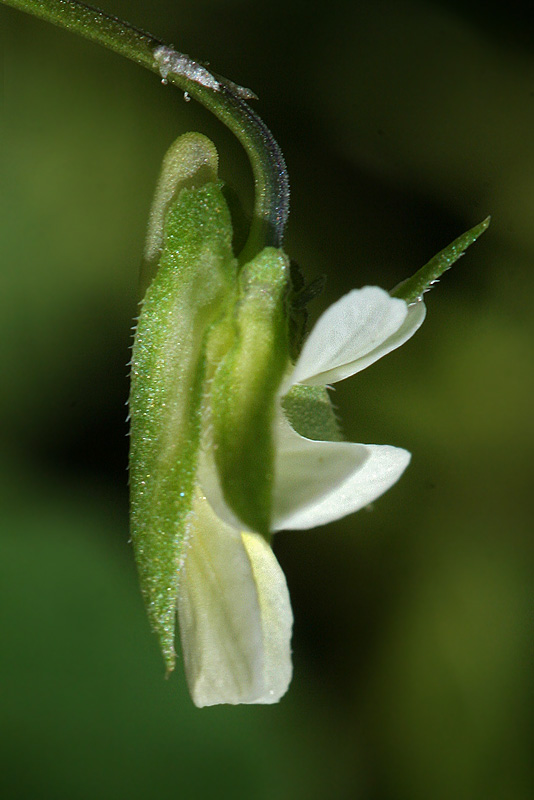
(403,124)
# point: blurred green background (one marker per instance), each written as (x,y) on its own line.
(402,124)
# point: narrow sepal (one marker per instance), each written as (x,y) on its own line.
(168,369)
(245,386)
(413,288)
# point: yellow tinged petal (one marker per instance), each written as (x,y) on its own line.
(235,615)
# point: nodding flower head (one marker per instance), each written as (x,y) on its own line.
(233,436)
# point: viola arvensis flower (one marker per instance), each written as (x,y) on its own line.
(233,436)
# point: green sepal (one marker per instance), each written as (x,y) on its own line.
(196,272)
(245,387)
(191,161)
(309,411)
(413,288)
(300,295)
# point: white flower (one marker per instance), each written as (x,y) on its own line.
(233,603)
(229,441)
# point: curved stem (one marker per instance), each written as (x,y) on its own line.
(219,95)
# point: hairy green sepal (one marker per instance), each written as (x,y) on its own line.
(189,250)
(245,388)
(413,288)
(309,411)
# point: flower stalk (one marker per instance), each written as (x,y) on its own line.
(219,95)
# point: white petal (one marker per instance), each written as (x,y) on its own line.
(276,616)
(234,613)
(318,482)
(354,332)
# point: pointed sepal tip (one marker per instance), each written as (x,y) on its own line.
(413,288)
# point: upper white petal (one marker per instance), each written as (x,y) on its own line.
(234,613)
(357,330)
(318,482)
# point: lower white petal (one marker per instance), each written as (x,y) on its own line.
(234,613)
(276,616)
(318,482)
(353,333)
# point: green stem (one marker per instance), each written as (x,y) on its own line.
(219,95)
